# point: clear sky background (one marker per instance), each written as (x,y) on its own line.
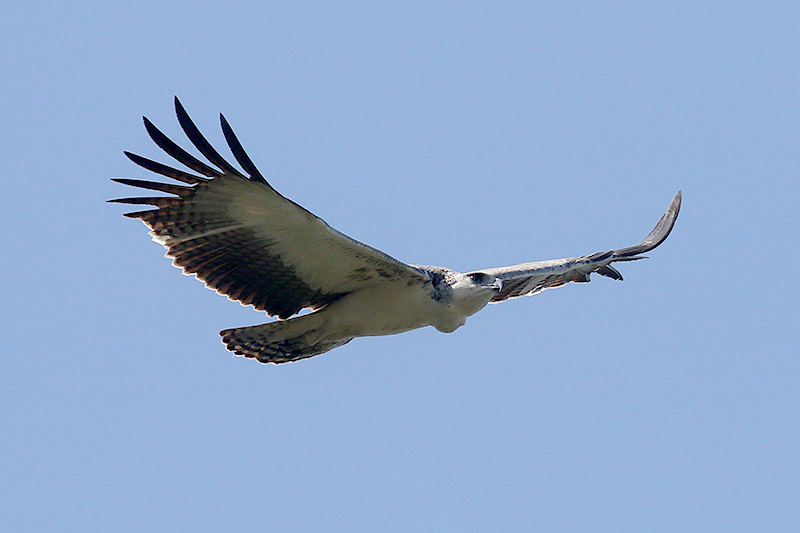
(459,134)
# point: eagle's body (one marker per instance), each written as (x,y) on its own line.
(399,306)
(245,240)
(385,309)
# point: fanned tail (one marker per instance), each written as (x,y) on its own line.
(283,341)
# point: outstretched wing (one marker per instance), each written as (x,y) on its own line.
(531,278)
(243,239)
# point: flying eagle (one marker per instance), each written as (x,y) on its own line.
(244,240)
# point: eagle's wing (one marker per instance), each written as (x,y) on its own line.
(531,278)
(243,239)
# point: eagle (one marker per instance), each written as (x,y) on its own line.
(243,239)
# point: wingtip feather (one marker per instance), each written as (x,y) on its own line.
(201,143)
(659,233)
(239,152)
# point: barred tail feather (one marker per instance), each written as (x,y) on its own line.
(283,341)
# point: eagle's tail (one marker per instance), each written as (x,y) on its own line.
(283,341)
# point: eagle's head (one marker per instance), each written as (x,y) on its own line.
(483,281)
(472,291)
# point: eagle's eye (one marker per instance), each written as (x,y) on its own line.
(478,277)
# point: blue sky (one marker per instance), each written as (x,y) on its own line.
(460,134)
